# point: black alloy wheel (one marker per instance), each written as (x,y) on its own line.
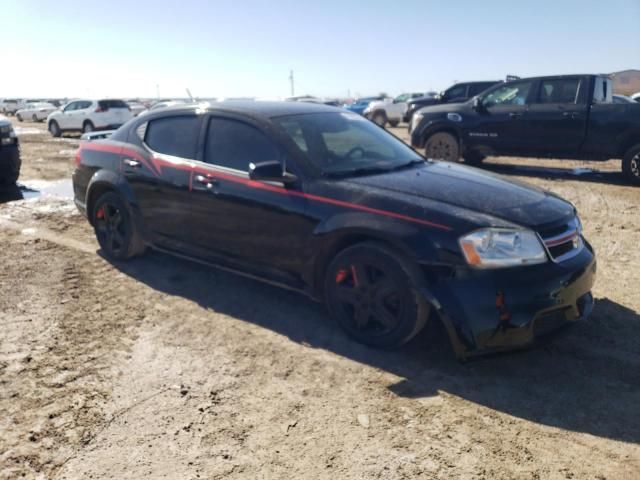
(114,228)
(369,291)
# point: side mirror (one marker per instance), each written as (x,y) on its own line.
(476,104)
(270,172)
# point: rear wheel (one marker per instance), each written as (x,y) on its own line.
(114,228)
(370,292)
(631,165)
(54,129)
(87,127)
(442,146)
(394,123)
(34,117)
(379,118)
(19,117)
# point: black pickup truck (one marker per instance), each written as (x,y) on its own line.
(568,117)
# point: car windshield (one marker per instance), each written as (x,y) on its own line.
(346,144)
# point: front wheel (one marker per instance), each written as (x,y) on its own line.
(115,229)
(369,291)
(394,123)
(54,129)
(19,117)
(442,146)
(631,165)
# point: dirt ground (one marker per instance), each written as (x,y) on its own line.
(160,368)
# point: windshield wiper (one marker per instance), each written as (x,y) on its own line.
(353,172)
(410,163)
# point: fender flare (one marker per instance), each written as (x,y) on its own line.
(104,180)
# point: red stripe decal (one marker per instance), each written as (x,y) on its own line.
(155,164)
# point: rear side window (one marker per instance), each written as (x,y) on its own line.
(106,104)
(235,145)
(560,90)
(82,105)
(177,136)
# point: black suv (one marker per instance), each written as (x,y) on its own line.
(460,92)
(9,153)
(323,201)
(567,116)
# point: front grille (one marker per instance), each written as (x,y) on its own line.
(563,242)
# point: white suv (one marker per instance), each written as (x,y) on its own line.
(390,110)
(89,115)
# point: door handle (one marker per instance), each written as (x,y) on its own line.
(132,163)
(572,115)
(515,115)
(207,180)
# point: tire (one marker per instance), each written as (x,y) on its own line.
(379,118)
(19,117)
(631,165)
(473,158)
(370,291)
(442,146)
(34,118)
(87,127)
(114,228)
(54,129)
(394,123)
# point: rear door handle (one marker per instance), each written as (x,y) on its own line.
(515,115)
(571,114)
(132,163)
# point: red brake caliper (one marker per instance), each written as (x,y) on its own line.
(341,275)
(100,213)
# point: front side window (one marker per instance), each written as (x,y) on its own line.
(477,88)
(560,90)
(176,136)
(233,144)
(401,98)
(510,94)
(346,144)
(71,107)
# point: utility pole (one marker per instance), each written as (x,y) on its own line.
(291,81)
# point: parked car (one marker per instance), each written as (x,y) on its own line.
(89,115)
(9,153)
(458,93)
(136,107)
(36,112)
(360,104)
(163,104)
(389,111)
(322,201)
(11,105)
(622,99)
(569,116)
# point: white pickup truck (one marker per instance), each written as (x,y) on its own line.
(390,110)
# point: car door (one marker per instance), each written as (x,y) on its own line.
(501,123)
(557,116)
(80,114)
(159,171)
(261,226)
(64,120)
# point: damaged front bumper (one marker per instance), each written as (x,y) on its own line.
(488,311)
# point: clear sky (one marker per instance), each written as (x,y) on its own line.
(247,47)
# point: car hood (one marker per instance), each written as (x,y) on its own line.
(474,190)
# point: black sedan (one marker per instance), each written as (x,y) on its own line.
(320,200)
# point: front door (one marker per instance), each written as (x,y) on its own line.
(502,126)
(260,226)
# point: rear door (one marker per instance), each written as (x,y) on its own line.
(159,172)
(502,126)
(557,117)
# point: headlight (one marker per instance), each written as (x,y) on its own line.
(415,120)
(498,247)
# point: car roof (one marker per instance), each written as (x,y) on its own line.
(259,108)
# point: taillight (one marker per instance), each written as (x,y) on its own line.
(78,157)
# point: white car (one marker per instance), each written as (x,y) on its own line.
(136,107)
(35,111)
(89,115)
(11,105)
(390,110)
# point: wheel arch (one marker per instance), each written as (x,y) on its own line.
(104,181)
(429,132)
(628,141)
